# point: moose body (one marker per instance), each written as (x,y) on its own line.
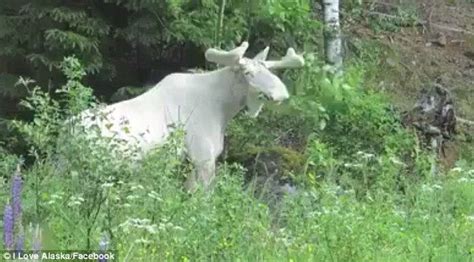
(201,103)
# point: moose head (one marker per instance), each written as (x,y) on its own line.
(263,85)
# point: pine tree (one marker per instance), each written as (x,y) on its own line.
(45,31)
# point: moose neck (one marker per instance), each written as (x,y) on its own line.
(216,96)
(230,92)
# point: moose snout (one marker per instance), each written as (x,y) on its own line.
(273,97)
(276,97)
(280,96)
(279,92)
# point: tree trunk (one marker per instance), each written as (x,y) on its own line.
(332,35)
(220,25)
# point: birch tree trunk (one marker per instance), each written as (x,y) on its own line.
(220,25)
(332,35)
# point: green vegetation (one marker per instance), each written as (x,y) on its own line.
(364,184)
(370,200)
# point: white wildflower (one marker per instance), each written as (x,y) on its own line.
(107,185)
(137,187)
(400,213)
(75,201)
(142,241)
(56,196)
(178,228)
(456,169)
(155,196)
(152,229)
(397,161)
(353,165)
(132,197)
(138,223)
(426,188)
(365,155)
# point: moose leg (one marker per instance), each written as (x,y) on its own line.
(190,184)
(203,175)
(206,173)
(203,153)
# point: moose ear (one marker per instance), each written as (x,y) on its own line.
(262,56)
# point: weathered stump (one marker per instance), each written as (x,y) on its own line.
(433,117)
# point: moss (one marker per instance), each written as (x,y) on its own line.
(287,159)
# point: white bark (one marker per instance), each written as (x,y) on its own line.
(332,34)
(220,26)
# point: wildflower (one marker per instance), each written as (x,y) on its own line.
(137,187)
(132,197)
(365,155)
(178,228)
(456,169)
(155,196)
(142,241)
(107,185)
(16,194)
(36,246)
(348,165)
(20,241)
(56,196)
(8,224)
(397,161)
(103,244)
(426,188)
(75,201)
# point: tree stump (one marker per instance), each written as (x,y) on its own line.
(433,117)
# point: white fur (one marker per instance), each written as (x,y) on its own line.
(202,103)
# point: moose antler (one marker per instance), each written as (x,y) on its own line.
(226,58)
(290,60)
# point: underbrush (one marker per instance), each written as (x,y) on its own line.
(364,189)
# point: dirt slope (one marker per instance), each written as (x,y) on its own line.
(438,46)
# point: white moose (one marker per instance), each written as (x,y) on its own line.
(202,103)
